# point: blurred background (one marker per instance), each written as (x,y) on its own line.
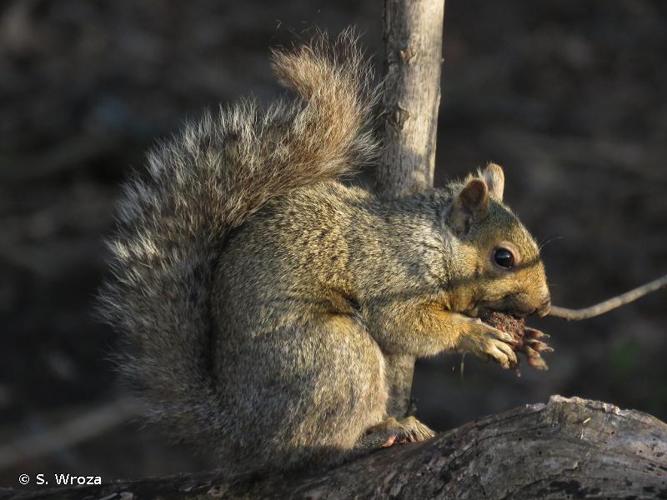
(569,95)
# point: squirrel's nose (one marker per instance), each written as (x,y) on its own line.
(545,308)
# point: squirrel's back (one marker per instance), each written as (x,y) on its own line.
(174,221)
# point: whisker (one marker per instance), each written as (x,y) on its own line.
(540,246)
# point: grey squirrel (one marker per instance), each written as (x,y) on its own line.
(260,297)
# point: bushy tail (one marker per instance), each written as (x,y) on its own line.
(208,180)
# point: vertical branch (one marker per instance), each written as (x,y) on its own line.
(413,44)
(411,97)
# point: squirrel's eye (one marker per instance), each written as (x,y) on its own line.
(503,257)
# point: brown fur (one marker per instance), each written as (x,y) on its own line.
(260,296)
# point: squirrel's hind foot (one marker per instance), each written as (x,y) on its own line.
(393,431)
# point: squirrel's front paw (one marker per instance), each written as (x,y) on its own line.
(488,342)
(533,346)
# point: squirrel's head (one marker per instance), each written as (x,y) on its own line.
(503,268)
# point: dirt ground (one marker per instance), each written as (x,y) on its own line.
(569,95)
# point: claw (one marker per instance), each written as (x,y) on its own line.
(535,359)
(539,346)
(536,334)
(391,441)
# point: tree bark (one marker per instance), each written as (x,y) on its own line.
(411,97)
(413,45)
(567,448)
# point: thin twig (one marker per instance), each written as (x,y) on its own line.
(86,426)
(608,305)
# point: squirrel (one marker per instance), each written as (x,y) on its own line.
(260,296)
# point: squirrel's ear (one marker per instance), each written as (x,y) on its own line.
(495,180)
(470,204)
(474,197)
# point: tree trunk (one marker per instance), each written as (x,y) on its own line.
(411,97)
(567,448)
(413,44)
